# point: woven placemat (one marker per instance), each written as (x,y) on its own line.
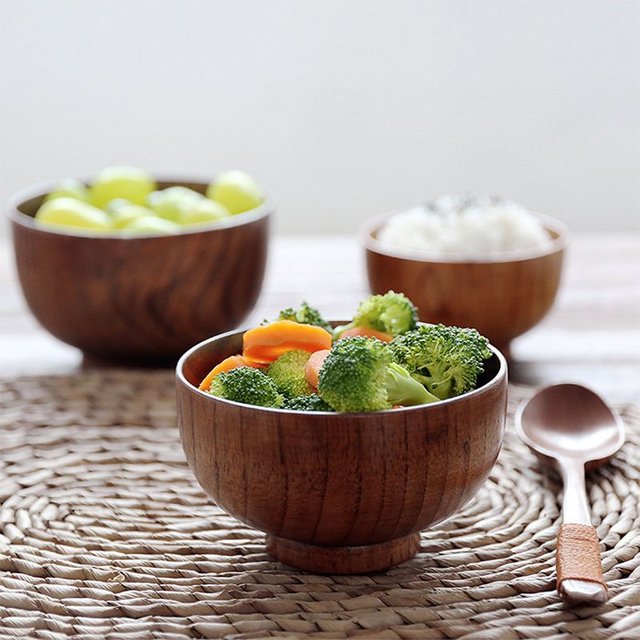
(104,533)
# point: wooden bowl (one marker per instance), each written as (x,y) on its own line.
(338,493)
(141,299)
(502,297)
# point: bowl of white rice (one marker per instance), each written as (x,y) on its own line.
(471,260)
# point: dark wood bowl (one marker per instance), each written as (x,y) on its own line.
(338,493)
(142,299)
(501,297)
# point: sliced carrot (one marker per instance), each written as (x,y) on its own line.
(267,342)
(313,366)
(367,332)
(232,362)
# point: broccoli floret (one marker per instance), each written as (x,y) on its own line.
(392,313)
(358,375)
(403,390)
(247,385)
(305,315)
(447,360)
(288,373)
(353,375)
(312,402)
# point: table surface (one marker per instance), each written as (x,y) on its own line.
(591,336)
(133,553)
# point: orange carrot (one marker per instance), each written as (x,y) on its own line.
(267,342)
(232,362)
(313,366)
(367,332)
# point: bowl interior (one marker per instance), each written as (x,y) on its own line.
(558,238)
(196,363)
(24,205)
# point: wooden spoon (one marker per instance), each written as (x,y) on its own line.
(570,426)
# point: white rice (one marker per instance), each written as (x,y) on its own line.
(467,226)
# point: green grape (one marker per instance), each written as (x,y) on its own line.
(70,188)
(129,183)
(150,226)
(116,204)
(68,213)
(127,213)
(171,203)
(203,211)
(236,190)
(181,193)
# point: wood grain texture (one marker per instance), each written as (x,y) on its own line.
(140,299)
(344,560)
(590,336)
(338,480)
(500,298)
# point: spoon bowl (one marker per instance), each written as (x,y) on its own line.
(569,420)
(570,427)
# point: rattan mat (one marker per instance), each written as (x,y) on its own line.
(105,534)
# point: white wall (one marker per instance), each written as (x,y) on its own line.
(345,109)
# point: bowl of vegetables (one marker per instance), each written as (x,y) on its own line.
(343,441)
(135,269)
(479,261)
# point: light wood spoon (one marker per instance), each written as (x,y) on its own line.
(570,426)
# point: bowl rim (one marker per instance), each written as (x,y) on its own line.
(367,238)
(179,375)
(41,189)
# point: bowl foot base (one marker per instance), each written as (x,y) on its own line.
(345,560)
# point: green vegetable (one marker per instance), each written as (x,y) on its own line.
(392,313)
(358,375)
(288,373)
(248,386)
(403,390)
(305,315)
(447,360)
(311,402)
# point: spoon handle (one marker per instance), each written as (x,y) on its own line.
(578,567)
